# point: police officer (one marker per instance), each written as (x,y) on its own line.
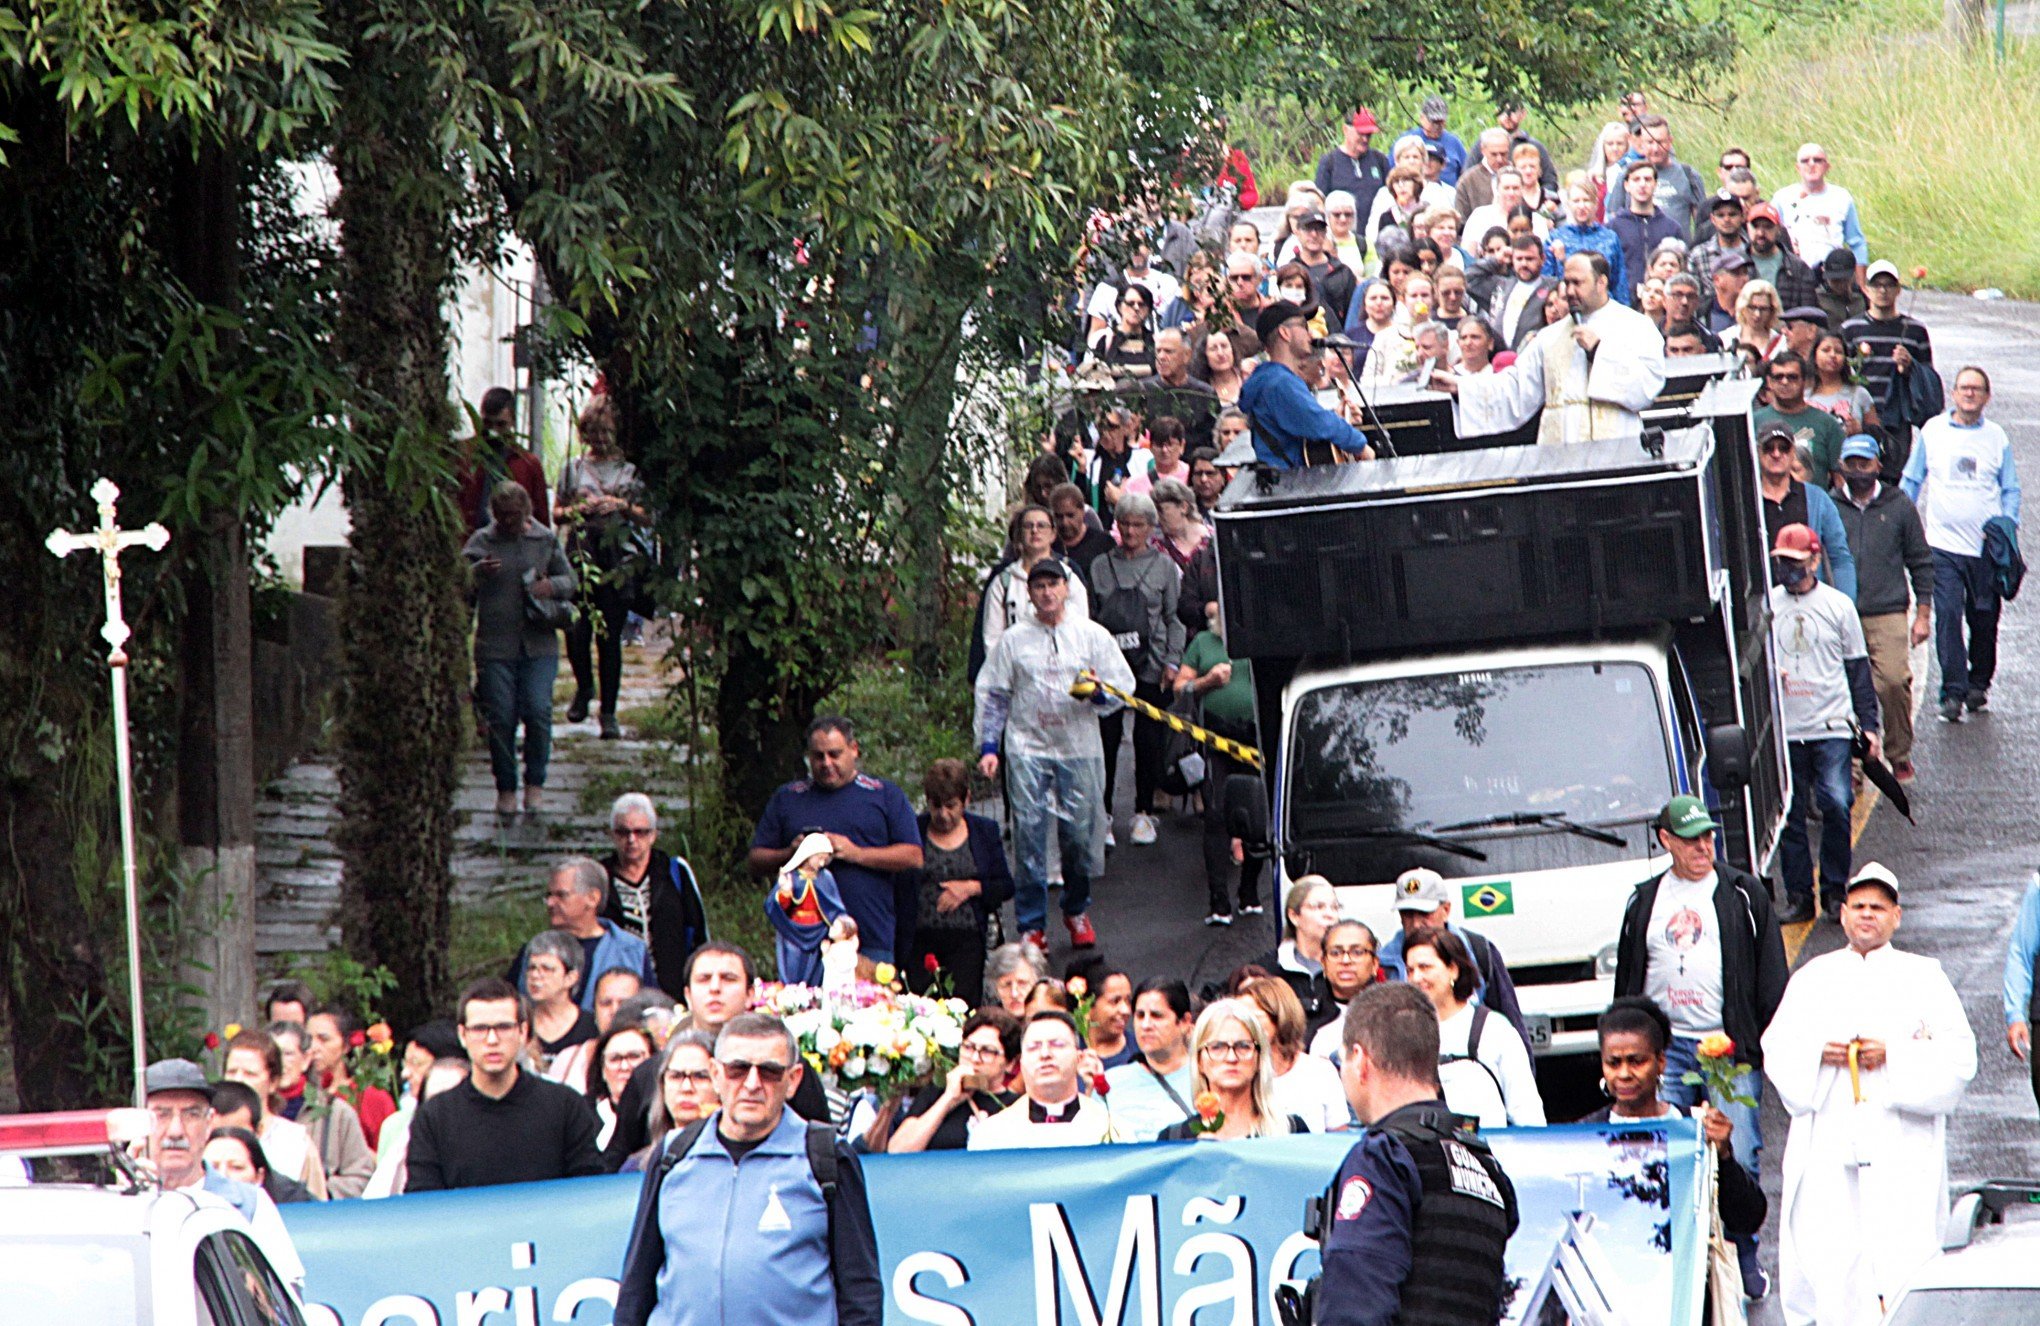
(1414,1225)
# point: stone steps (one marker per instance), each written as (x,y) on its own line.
(298,868)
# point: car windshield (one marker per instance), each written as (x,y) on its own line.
(1966,1307)
(1580,741)
(52,1279)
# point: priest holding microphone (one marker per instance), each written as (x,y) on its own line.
(1592,374)
(1869,1053)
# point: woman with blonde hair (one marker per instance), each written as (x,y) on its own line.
(1305,1085)
(1232,1062)
(1756,331)
(1604,161)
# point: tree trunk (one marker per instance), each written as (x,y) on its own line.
(402,617)
(216,718)
(930,339)
(761,725)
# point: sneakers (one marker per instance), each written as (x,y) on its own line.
(1036,938)
(1219,918)
(1110,840)
(1081,933)
(1143,831)
(1252,909)
(1951,711)
(1902,770)
(1978,701)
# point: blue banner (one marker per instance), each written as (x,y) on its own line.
(1189,1234)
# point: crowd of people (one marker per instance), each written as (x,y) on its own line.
(603,1057)
(624,1036)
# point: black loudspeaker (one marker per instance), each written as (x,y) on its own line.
(1448,549)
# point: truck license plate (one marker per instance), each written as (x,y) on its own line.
(1540,1032)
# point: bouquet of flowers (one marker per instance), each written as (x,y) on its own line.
(863,1034)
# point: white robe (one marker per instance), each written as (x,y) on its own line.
(1583,400)
(1866,1184)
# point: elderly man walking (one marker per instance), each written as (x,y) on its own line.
(753,1216)
(1870,1052)
(574,898)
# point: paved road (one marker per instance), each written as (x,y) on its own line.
(1977,803)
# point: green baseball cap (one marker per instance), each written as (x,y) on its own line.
(1686,817)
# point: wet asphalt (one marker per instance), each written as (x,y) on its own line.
(1963,865)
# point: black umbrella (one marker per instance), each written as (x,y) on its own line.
(1880,775)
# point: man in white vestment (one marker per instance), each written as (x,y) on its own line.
(1869,1052)
(1592,374)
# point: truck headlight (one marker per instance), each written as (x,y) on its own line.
(1604,963)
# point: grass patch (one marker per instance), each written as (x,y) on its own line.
(1896,105)
(485,932)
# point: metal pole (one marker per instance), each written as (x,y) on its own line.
(127,865)
(2001,29)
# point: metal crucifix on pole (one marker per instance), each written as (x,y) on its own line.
(109,540)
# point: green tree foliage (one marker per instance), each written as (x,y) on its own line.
(431,96)
(112,367)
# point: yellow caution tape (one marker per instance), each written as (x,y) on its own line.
(1084,687)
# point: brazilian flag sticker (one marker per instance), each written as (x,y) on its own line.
(1494,898)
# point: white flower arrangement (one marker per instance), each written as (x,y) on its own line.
(866,1035)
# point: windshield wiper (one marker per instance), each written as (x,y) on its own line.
(1549,819)
(1413,835)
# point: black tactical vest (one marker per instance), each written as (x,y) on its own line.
(1462,1224)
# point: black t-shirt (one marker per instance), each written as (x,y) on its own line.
(584,1029)
(953,1133)
(539,1130)
(1095,544)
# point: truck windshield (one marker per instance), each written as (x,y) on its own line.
(1576,741)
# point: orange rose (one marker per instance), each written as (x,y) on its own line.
(379,1034)
(1077,986)
(1206,1105)
(1716,1046)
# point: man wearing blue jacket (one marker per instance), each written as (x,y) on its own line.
(1280,398)
(752,1217)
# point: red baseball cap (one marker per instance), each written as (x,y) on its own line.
(1762,212)
(1798,542)
(1364,121)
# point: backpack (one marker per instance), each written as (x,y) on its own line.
(1123,612)
(1472,1057)
(821,1158)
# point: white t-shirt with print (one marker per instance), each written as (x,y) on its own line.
(1811,635)
(1684,939)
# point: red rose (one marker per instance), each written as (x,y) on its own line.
(931,964)
(1100,1085)
(212,1040)
(357,1039)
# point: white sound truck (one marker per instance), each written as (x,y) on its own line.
(1500,661)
